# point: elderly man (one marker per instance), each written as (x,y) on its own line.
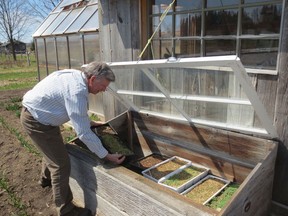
(58,98)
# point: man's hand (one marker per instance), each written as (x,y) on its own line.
(115,158)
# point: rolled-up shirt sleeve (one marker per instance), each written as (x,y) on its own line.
(76,106)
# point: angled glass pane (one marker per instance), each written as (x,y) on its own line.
(209,94)
(92,24)
(68,2)
(45,24)
(82,19)
(67,21)
(55,23)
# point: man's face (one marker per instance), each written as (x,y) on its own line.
(97,84)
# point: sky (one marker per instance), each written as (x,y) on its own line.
(31,28)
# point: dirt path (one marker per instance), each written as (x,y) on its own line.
(19,169)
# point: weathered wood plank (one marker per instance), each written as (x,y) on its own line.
(254,194)
(128,192)
(238,145)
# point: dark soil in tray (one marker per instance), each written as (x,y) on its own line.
(148,161)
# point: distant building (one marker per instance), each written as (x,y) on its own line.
(20,47)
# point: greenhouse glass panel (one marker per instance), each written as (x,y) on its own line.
(76,54)
(55,23)
(187,48)
(67,21)
(81,20)
(159,6)
(260,53)
(66,3)
(45,24)
(264,19)
(51,54)
(92,24)
(162,49)
(41,59)
(220,47)
(221,22)
(92,47)
(62,50)
(214,91)
(183,5)
(221,3)
(188,25)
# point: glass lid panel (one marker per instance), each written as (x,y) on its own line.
(214,91)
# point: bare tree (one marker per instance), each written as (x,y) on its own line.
(41,8)
(13,20)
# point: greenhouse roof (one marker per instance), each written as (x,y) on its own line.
(70,16)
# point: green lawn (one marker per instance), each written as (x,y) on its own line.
(17,75)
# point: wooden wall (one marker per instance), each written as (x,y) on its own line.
(280,189)
(120,40)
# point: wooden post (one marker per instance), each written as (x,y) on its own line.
(280,189)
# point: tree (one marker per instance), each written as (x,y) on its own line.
(41,8)
(13,20)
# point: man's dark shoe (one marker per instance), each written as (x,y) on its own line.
(78,211)
(43,182)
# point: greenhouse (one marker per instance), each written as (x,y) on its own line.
(64,39)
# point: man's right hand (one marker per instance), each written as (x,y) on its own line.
(115,158)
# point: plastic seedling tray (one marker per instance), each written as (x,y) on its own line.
(203,191)
(184,178)
(148,161)
(160,170)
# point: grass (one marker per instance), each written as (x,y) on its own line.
(14,200)
(222,199)
(183,176)
(17,75)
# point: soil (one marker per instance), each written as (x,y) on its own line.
(148,161)
(204,190)
(19,169)
(164,169)
(183,177)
